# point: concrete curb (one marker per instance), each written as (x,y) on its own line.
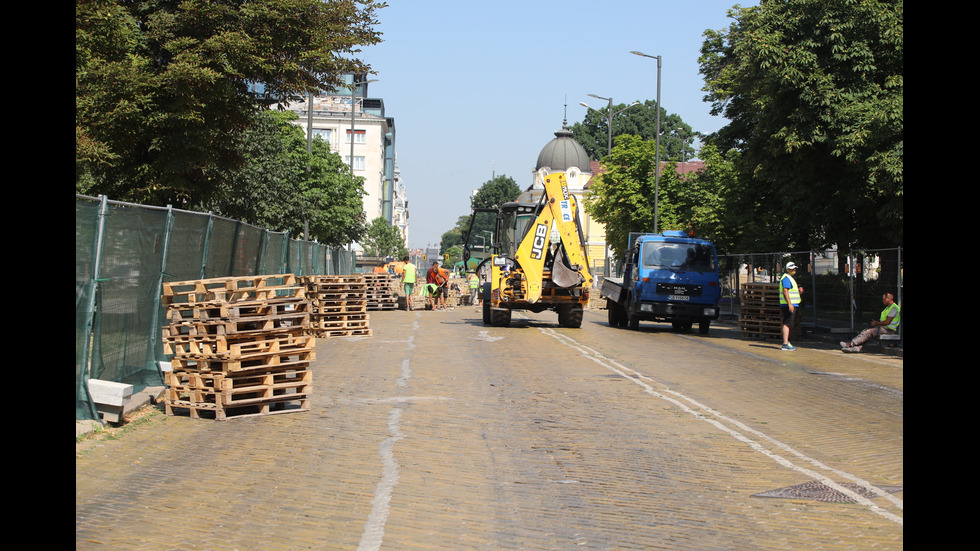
(148,396)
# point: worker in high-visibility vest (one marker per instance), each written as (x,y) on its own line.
(886,324)
(789,302)
(474,287)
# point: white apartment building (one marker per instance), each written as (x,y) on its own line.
(356,127)
(399,213)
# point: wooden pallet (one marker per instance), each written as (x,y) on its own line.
(340,303)
(383,285)
(245,310)
(220,392)
(230,328)
(232,289)
(347,332)
(759,315)
(238,345)
(270,354)
(221,413)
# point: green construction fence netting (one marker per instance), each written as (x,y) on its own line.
(125,252)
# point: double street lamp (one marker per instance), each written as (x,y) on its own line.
(656,177)
(609,116)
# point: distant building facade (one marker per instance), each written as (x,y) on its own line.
(357,128)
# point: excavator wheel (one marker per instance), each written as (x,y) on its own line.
(570,316)
(486,304)
(500,318)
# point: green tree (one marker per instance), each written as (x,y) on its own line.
(813,90)
(639,120)
(383,240)
(710,200)
(495,192)
(284,187)
(623,197)
(491,194)
(164,90)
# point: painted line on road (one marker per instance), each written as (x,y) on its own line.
(715,418)
(374,528)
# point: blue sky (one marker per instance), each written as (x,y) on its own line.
(478,88)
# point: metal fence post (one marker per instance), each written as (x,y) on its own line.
(207,246)
(92,289)
(155,349)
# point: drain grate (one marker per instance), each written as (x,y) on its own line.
(818,491)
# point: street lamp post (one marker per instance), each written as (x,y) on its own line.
(656,177)
(609,117)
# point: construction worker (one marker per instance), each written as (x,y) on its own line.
(440,277)
(886,324)
(408,280)
(789,301)
(474,287)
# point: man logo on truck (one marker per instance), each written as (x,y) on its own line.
(537,248)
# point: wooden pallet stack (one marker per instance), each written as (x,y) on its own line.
(340,305)
(759,315)
(238,346)
(382,290)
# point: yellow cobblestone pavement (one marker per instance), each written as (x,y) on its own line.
(438,432)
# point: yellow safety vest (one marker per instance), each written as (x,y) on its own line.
(887,311)
(794,291)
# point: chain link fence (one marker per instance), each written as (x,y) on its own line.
(125,252)
(841,293)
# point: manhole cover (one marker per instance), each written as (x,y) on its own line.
(818,491)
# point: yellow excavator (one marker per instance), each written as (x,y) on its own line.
(538,260)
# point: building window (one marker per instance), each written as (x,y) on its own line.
(360,136)
(358,162)
(322,133)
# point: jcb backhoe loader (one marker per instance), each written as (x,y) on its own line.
(539,260)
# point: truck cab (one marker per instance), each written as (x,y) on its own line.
(667,277)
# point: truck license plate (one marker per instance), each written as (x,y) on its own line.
(679,297)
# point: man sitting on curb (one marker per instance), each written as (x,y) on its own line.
(887,324)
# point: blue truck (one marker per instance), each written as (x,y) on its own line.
(668,277)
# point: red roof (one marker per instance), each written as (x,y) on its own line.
(687,167)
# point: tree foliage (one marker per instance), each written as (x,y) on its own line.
(625,197)
(383,239)
(813,90)
(639,120)
(164,93)
(490,195)
(284,187)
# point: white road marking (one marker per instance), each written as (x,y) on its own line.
(374,528)
(484,336)
(715,418)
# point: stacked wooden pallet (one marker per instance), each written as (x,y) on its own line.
(759,315)
(418,302)
(339,304)
(238,346)
(382,291)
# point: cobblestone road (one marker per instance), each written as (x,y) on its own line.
(438,432)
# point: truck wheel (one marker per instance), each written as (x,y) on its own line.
(612,311)
(570,316)
(703,327)
(632,320)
